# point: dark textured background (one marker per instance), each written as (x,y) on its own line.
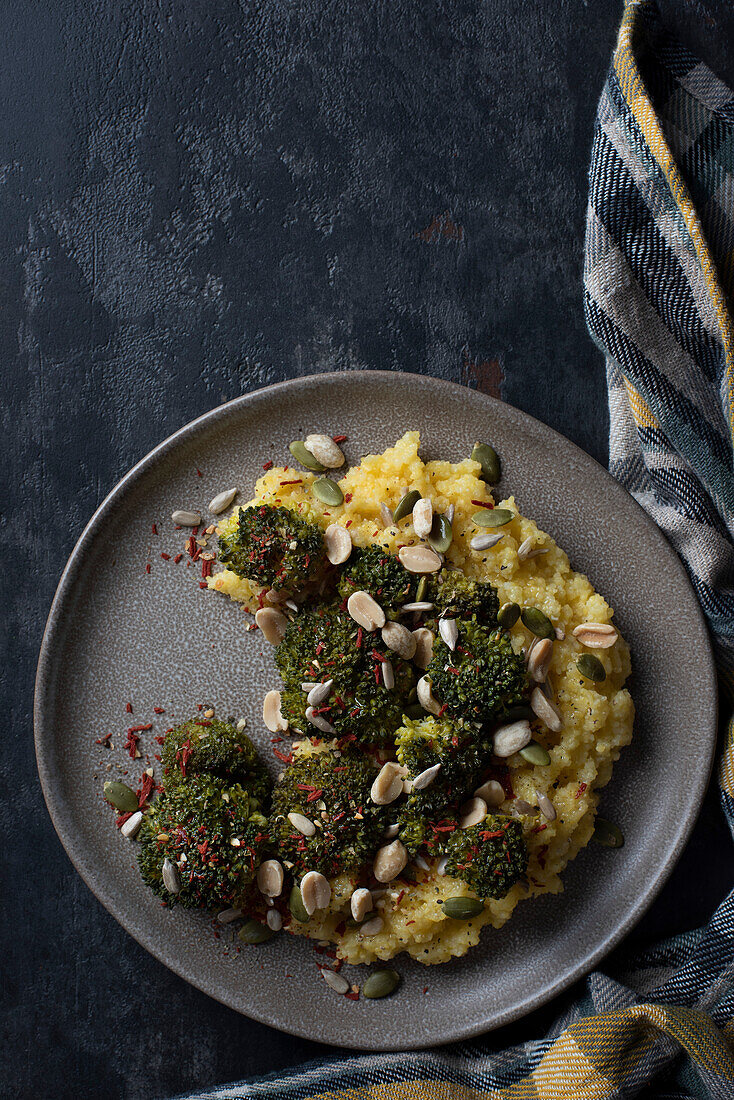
(201,198)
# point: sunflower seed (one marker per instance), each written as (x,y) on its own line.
(485,542)
(186,519)
(386,516)
(328,492)
(131,827)
(315,891)
(546,710)
(360,903)
(492,792)
(405,505)
(302,824)
(320,693)
(426,697)
(227,916)
(308,685)
(270,878)
(372,927)
(335,981)
(389,861)
(388,675)
(272,623)
(222,501)
(388,785)
(449,513)
(449,631)
(539,659)
(338,543)
(319,721)
(596,635)
(417,605)
(272,715)
(472,812)
(545,806)
(422,517)
(171,877)
(421,863)
(399,639)
(493,517)
(442,865)
(325,450)
(522,807)
(426,777)
(511,738)
(423,646)
(524,548)
(274,920)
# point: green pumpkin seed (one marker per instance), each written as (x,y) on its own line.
(607,833)
(328,492)
(121,797)
(406,505)
(422,590)
(254,932)
(493,517)
(508,615)
(516,714)
(381,983)
(536,754)
(538,623)
(489,460)
(591,667)
(441,534)
(462,908)
(296,906)
(302,454)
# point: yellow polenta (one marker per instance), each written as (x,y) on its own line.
(597,719)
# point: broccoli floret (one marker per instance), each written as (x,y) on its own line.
(380,573)
(218,748)
(273,547)
(482,678)
(324,642)
(460,749)
(333,791)
(200,819)
(490,857)
(461,597)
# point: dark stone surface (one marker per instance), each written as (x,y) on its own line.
(198,199)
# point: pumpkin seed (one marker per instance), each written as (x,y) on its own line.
(186,519)
(441,534)
(536,754)
(222,501)
(485,542)
(493,517)
(508,615)
(591,667)
(301,453)
(406,504)
(328,492)
(171,877)
(489,460)
(462,908)
(121,797)
(421,590)
(537,622)
(254,932)
(381,983)
(607,833)
(296,906)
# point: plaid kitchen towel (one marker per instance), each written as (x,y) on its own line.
(658,281)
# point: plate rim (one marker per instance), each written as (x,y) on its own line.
(43,721)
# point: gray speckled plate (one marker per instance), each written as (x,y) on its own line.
(117,633)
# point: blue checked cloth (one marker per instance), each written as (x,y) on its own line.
(658,284)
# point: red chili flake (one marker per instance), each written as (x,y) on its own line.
(206,568)
(539,828)
(425,988)
(348,497)
(351,995)
(122,819)
(104,740)
(198,473)
(409,922)
(159,710)
(177,559)
(268,465)
(340,928)
(154,529)
(581,789)
(132,744)
(129,708)
(285,759)
(348,523)
(442,711)
(483,503)
(486,835)
(399,898)
(203,584)
(298,481)
(339,438)
(166,557)
(141,729)
(146,789)
(147,568)
(359,638)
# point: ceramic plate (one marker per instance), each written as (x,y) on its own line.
(118,633)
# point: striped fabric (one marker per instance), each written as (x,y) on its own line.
(658,281)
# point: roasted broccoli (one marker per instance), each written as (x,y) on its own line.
(380,573)
(218,748)
(490,857)
(273,547)
(214,839)
(331,790)
(324,643)
(461,597)
(460,749)
(482,678)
